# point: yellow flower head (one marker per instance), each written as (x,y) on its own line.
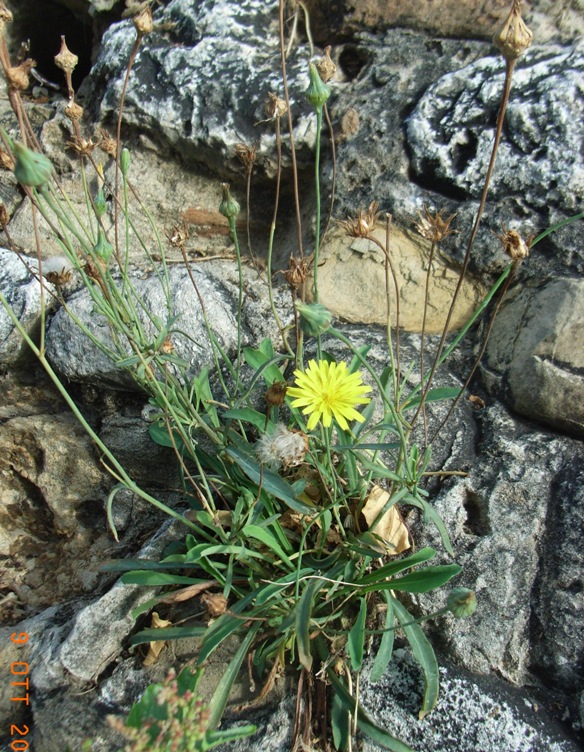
(326,391)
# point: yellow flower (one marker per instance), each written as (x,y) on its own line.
(326,391)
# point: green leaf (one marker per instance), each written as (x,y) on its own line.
(263,362)
(254,417)
(385,650)
(271,482)
(433,515)
(426,579)
(225,736)
(167,633)
(424,654)
(340,723)
(265,536)
(356,637)
(154,579)
(221,694)
(159,434)
(302,621)
(434,395)
(394,567)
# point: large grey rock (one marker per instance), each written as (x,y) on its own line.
(202,86)
(79,359)
(509,522)
(535,355)
(22,292)
(451,131)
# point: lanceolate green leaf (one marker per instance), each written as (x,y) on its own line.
(395,567)
(420,581)
(221,694)
(302,622)
(270,482)
(266,537)
(424,654)
(385,649)
(356,637)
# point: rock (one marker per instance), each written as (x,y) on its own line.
(508,521)
(202,85)
(23,294)
(535,356)
(352,283)
(79,359)
(451,146)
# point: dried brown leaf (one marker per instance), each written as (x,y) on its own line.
(390,526)
(155,647)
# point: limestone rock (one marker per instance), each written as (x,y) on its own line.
(78,358)
(202,85)
(352,283)
(509,522)
(23,294)
(535,356)
(451,145)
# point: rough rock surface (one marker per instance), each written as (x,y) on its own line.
(79,359)
(23,294)
(535,356)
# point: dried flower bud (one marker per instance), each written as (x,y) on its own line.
(514,245)
(215,603)
(434,227)
(462,602)
(107,143)
(325,66)
(315,319)
(31,168)
(5,14)
(276,394)
(364,223)
(167,347)
(275,107)
(17,77)
(6,160)
(246,155)
(317,92)
(74,111)
(297,272)
(514,37)
(143,22)
(228,206)
(65,59)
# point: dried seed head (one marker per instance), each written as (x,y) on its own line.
(4,218)
(82,146)
(74,111)
(6,160)
(178,236)
(143,22)
(364,223)
(434,227)
(282,447)
(5,14)
(17,77)
(276,394)
(514,37)
(514,245)
(107,144)
(325,66)
(275,107)
(66,60)
(246,155)
(58,270)
(297,272)
(167,348)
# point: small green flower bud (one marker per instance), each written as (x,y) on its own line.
(315,319)
(100,203)
(125,161)
(31,168)
(318,92)
(462,602)
(103,248)
(228,206)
